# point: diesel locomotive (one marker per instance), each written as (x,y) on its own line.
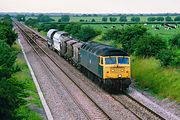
(108,66)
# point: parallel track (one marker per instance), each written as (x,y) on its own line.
(151,112)
(32,43)
(115,98)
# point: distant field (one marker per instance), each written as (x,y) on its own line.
(99,18)
(165,34)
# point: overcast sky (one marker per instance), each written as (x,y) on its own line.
(91,6)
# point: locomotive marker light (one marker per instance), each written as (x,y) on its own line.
(119,76)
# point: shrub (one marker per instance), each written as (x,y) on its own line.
(149,45)
(175,41)
(168,57)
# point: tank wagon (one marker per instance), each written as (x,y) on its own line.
(108,66)
(50,34)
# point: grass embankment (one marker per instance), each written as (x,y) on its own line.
(32,105)
(149,75)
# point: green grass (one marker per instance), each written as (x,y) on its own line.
(164,82)
(43,33)
(165,34)
(30,95)
(25,113)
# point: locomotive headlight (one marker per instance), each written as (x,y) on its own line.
(112,70)
(119,76)
(122,70)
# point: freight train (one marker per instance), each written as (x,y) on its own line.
(108,66)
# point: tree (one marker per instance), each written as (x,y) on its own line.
(86,33)
(6,32)
(151,19)
(113,19)
(135,19)
(31,22)
(149,45)
(81,20)
(7,59)
(104,19)
(59,20)
(177,18)
(44,18)
(123,18)
(21,18)
(168,18)
(93,20)
(160,18)
(130,35)
(73,29)
(65,18)
(112,34)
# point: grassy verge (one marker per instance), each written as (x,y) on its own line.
(149,75)
(31,107)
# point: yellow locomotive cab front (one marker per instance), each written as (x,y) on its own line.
(116,67)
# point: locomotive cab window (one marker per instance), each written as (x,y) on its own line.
(111,60)
(122,60)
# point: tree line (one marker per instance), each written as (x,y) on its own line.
(122,18)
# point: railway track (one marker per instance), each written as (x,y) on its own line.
(134,106)
(137,108)
(39,51)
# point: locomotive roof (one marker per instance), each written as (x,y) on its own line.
(102,50)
